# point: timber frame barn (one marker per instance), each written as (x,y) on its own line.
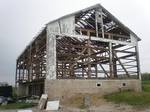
(88,45)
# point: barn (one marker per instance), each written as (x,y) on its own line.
(89,51)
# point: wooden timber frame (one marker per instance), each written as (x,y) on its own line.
(31,65)
(87,57)
(100,47)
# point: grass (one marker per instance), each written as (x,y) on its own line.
(17,106)
(132,98)
(146,86)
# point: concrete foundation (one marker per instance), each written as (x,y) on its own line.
(36,89)
(23,90)
(64,88)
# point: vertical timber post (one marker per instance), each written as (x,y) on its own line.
(23,72)
(19,71)
(138,61)
(30,64)
(114,64)
(82,69)
(111,60)
(102,24)
(96,25)
(89,56)
(115,67)
(16,73)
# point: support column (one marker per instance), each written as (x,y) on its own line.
(111,61)
(115,67)
(19,71)
(89,57)
(96,21)
(96,73)
(51,56)
(138,61)
(23,69)
(102,24)
(82,69)
(16,73)
(114,64)
(30,64)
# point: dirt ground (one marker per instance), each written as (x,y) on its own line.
(106,107)
(103,106)
(99,106)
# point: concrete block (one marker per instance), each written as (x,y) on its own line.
(52,105)
(42,102)
(24,111)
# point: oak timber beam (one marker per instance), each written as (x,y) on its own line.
(96,39)
(138,62)
(121,64)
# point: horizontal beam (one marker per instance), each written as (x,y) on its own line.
(96,39)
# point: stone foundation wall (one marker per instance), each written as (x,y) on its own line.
(67,87)
(31,89)
(22,90)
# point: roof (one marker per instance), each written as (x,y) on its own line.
(80,11)
(93,7)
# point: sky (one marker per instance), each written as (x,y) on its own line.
(21,20)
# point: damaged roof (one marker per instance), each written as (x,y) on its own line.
(95,7)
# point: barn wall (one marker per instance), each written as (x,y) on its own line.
(63,88)
(23,90)
(133,39)
(28,89)
(65,25)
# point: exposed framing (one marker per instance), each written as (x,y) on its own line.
(101,47)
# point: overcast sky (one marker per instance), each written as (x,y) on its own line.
(21,20)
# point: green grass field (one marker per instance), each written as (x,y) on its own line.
(132,98)
(17,106)
(146,86)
